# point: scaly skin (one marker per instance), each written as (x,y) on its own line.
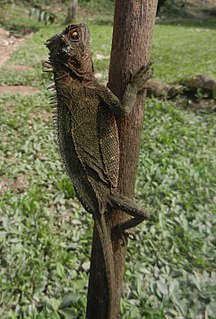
(88,136)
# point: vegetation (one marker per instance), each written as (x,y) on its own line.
(45,234)
(172,6)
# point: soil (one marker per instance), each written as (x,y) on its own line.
(19,184)
(18,68)
(8,44)
(18,89)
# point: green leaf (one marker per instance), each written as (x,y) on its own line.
(60,270)
(211,308)
(67,301)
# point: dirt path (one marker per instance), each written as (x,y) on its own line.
(17,89)
(8,44)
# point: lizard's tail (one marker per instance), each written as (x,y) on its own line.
(106,243)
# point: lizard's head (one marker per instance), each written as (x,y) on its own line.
(70,47)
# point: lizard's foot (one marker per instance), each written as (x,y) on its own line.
(124,233)
(140,78)
(127,205)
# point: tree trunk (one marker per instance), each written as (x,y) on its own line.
(72,9)
(132,39)
(160,4)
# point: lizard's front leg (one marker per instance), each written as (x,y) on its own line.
(136,84)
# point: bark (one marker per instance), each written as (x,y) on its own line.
(132,39)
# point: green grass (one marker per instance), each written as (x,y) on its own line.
(45,235)
(182,49)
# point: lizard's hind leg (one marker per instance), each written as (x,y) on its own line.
(127,205)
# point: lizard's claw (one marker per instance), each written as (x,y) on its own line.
(131,235)
(140,78)
(123,234)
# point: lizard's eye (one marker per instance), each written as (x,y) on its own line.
(74,35)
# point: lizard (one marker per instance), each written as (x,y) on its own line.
(87,135)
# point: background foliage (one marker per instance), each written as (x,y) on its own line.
(45,234)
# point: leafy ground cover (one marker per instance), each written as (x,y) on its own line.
(45,235)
